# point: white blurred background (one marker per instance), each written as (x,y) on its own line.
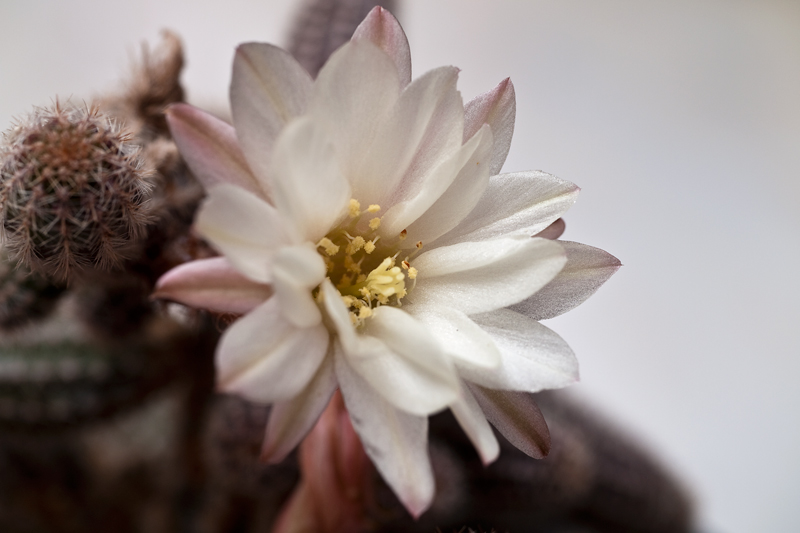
(681,122)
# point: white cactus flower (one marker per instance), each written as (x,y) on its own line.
(370,246)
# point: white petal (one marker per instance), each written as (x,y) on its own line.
(522,203)
(307,186)
(472,420)
(291,420)
(243,227)
(296,270)
(496,108)
(211,284)
(396,441)
(382,29)
(354,92)
(265,359)
(460,337)
(210,148)
(517,417)
(268,89)
(460,198)
(425,128)
(534,357)
(475,277)
(586,270)
(397,356)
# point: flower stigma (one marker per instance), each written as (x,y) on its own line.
(363,267)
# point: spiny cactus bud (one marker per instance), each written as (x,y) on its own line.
(73,191)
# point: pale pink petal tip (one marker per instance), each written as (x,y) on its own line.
(211,284)
(209,147)
(497,108)
(382,29)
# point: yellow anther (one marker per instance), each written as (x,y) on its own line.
(412,273)
(354,209)
(375,223)
(403,235)
(364,312)
(419,245)
(355,245)
(369,247)
(327,245)
(345,282)
(351,265)
(406,264)
(374,208)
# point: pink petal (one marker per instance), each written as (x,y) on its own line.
(496,108)
(517,417)
(382,29)
(211,284)
(554,230)
(210,148)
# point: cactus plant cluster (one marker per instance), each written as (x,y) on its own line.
(95,204)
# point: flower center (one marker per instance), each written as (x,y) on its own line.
(362,266)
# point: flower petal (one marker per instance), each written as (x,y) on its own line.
(397,442)
(263,358)
(211,284)
(496,108)
(554,230)
(440,211)
(243,227)
(354,92)
(534,357)
(522,203)
(461,338)
(472,420)
(586,270)
(396,355)
(291,420)
(296,270)
(210,148)
(475,277)
(517,417)
(382,29)
(425,128)
(268,89)
(307,186)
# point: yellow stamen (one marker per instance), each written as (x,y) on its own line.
(355,208)
(374,223)
(327,245)
(369,247)
(374,208)
(412,273)
(355,245)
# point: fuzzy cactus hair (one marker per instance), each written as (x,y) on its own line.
(73,191)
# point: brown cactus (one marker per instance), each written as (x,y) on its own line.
(73,191)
